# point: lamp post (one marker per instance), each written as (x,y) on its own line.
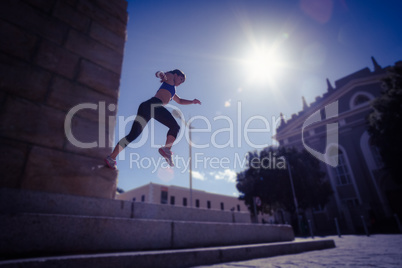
(179,115)
(294,194)
(190,164)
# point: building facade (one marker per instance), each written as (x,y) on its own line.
(180,196)
(334,129)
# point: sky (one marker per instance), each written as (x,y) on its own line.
(247,61)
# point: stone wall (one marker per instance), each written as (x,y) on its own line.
(55,55)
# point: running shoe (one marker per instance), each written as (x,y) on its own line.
(110,162)
(167,154)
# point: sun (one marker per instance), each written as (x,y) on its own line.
(263,65)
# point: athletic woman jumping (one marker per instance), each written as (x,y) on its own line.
(154,108)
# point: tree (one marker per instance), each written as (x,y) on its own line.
(385,123)
(267,177)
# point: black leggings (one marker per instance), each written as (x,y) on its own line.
(151,108)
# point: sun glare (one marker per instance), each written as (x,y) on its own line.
(263,65)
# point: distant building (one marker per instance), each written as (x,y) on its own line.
(336,123)
(180,196)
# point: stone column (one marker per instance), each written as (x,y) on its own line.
(60,68)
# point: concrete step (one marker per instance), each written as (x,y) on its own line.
(26,201)
(172,258)
(46,234)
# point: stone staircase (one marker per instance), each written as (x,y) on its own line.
(39,228)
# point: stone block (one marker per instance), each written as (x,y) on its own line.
(12,156)
(98,78)
(65,95)
(69,15)
(16,42)
(19,201)
(44,5)
(94,51)
(57,59)
(3,95)
(28,122)
(22,79)
(116,8)
(71,2)
(201,234)
(95,12)
(67,173)
(32,234)
(155,211)
(90,138)
(107,37)
(221,216)
(123,4)
(34,21)
(167,212)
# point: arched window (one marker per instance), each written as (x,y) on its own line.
(374,162)
(377,156)
(370,152)
(341,172)
(360,99)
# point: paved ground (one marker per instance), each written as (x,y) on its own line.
(383,251)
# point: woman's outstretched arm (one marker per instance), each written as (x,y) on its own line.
(184,101)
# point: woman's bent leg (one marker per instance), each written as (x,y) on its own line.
(169,141)
(116,151)
(163,116)
(141,120)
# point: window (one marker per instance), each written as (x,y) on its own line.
(197,203)
(341,172)
(172,200)
(184,202)
(209,204)
(377,156)
(222,206)
(238,207)
(371,153)
(164,197)
(360,99)
(351,203)
(143,198)
(319,208)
